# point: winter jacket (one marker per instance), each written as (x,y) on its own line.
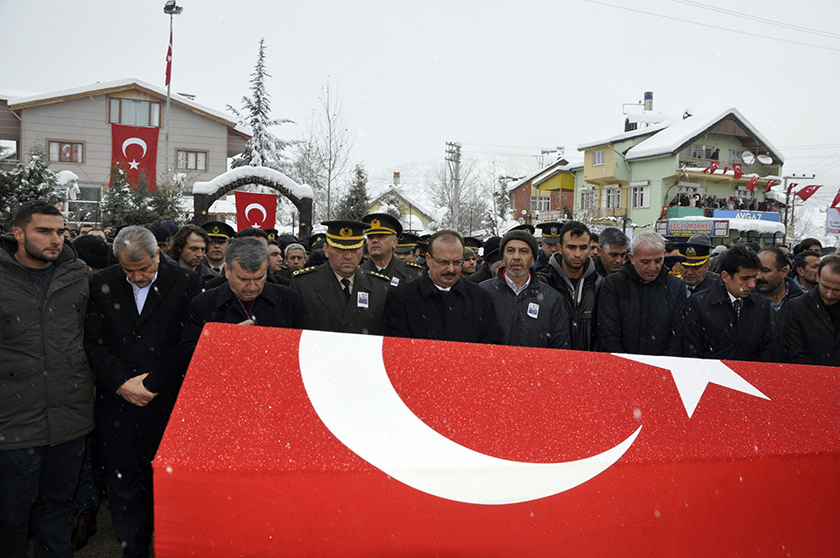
(793,291)
(536,317)
(581,302)
(713,330)
(46,386)
(640,317)
(809,335)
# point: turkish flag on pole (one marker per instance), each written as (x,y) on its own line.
(736,168)
(255,210)
(808,191)
(713,166)
(770,184)
(753,182)
(169,60)
(792,186)
(135,149)
(836,200)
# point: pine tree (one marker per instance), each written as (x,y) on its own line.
(28,181)
(124,205)
(263,149)
(354,205)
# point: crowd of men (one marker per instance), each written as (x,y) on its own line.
(130,308)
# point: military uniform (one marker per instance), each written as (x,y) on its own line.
(397,270)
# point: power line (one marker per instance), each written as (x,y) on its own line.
(738,31)
(759,19)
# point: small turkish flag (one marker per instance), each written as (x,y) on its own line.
(770,184)
(753,182)
(255,210)
(736,168)
(808,191)
(713,166)
(169,60)
(135,148)
(836,200)
(792,186)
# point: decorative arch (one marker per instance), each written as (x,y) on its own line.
(205,193)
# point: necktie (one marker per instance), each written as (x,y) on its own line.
(737,305)
(346,289)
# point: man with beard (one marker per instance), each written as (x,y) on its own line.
(773,282)
(220,234)
(730,320)
(188,247)
(440,305)
(571,272)
(812,326)
(612,249)
(694,269)
(470,263)
(381,236)
(640,309)
(529,313)
(805,266)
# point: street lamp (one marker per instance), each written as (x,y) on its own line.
(172,9)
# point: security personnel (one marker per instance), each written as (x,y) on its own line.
(549,244)
(695,269)
(406,248)
(220,234)
(340,296)
(381,236)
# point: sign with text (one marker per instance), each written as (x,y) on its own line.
(752,215)
(832,221)
(312,443)
(673,227)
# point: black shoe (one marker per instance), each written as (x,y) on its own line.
(84,529)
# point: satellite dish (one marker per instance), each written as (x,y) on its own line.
(521,220)
(748,157)
(765,159)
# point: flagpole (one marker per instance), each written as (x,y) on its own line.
(172,9)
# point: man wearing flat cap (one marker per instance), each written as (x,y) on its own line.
(381,235)
(339,296)
(529,313)
(220,234)
(694,269)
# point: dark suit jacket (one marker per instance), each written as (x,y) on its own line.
(420,310)
(396,268)
(712,331)
(809,335)
(122,344)
(325,302)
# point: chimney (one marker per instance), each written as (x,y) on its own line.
(648,100)
(396,178)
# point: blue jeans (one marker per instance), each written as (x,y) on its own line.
(37,487)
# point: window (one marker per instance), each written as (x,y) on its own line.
(613,196)
(640,197)
(735,155)
(85,208)
(192,160)
(66,152)
(697,151)
(587,200)
(597,157)
(134,113)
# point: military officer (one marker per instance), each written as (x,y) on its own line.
(220,234)
(695,269)
(340,296)
(406,248)
(381,236)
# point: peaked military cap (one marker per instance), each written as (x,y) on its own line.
(218,230)
(382,223)
(345,234)
(272,234)
(317,238)
(406,242)
(695,253)
(472,242)
(525,227)
(550,231)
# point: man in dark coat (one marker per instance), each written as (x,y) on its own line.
(381,236)
(694,269)
(774,282)
(339,296)
(812,325)
(549,242)
(529,313)
(134,322)
(572,273)
(640,310)
(245,299)
(490,257)
(612,251)
(440,305)
(731,320)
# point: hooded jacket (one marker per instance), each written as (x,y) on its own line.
(581,301)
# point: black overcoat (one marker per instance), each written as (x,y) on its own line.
(810,337)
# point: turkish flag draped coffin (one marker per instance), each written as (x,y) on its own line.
(323,444)
(135,149)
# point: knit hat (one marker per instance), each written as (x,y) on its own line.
(92,250)
(524,236)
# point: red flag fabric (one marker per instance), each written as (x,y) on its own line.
(169,60)
(753,182)
(792,186)
(836,200)
(713,166)
(255,210)
(808,191)
(736,168)
(770,184)
(281,445)
(135,149)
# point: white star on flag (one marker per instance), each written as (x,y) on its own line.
(134,165)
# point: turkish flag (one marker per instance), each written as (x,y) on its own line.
(169,60)
(736,168)
(792,186)
(134,148)
(752,183)
(255,210)
(713,166)
(836,201)
(808,191)
(316,443)
(770,184)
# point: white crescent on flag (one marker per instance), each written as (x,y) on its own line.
(357,402)
(134,141)
(256,206)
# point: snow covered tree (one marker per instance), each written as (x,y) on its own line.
(473,196)
(355,203)
(28,181)
(124,205)
(263,149)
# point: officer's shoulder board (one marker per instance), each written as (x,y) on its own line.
(304,271)
(412,264)
(375,274)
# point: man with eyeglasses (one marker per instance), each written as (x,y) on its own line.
(440,305)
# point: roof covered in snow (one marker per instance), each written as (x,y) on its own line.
(105,87)
(561,164)
(271,175)
(628,135)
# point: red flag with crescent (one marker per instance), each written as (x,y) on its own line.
(836,201)
(770,184)
(791,186)
(713,166)
(752,183)
(134,148)
(169,60)
(255,210)
(736,168)
(808,191)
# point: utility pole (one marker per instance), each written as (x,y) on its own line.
(453,157)
(791,207)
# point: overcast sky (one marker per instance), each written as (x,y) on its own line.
(510,77)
